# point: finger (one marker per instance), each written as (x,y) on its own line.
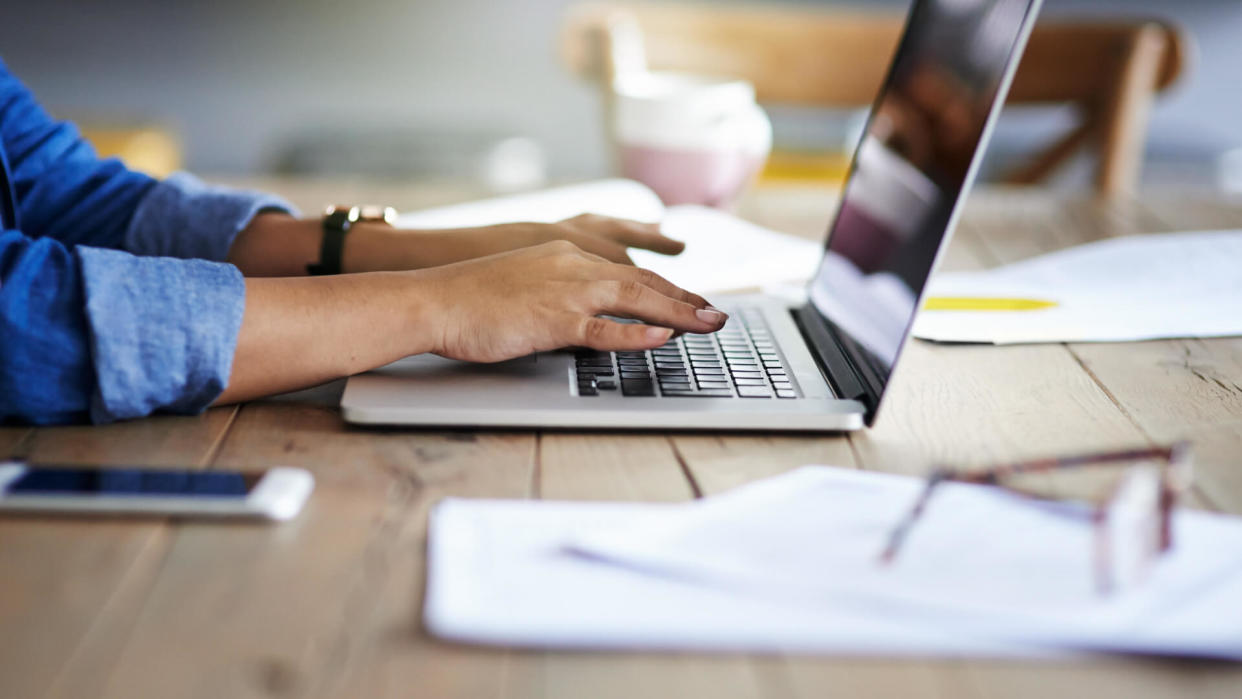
(604,248)
(609,335)
(648,278)
(634,300)
(642,235)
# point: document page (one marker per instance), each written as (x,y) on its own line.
(499,573)
(1138,287)
(980,561)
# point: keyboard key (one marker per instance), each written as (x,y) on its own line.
(632,362)
(671,387)
(713,384)
(754,391)
(594,364)
(749,382)
(606,385)
(700,394)
(709,371)
(635,375)
(637,388)
(785,394)
(740,374)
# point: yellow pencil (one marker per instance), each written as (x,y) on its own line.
(968,303)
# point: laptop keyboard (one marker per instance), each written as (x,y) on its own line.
(739,361)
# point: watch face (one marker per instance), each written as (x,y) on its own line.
(386,214)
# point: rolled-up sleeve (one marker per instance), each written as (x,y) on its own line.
(183,217)
(104,335)
(162,331)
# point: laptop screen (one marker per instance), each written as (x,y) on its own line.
(914,164)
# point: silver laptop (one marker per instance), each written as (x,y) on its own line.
(821,366)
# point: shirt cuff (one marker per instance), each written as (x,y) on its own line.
(183,217)
(162,331)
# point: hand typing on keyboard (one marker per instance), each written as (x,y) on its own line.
(552,296)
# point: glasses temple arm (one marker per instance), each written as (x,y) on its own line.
(899,533)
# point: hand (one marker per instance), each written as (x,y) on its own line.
(606,237)
(551,296)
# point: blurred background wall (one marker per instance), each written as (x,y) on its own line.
(244,83)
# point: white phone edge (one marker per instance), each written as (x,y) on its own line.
(279,495)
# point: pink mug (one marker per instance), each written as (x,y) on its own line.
(692,139)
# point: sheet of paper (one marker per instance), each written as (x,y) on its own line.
(498,573)
(980,561)
(1134,288)
(723,252)
(618,198)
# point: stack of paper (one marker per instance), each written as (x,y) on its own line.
(791,564)
(723,252)
(1134,288)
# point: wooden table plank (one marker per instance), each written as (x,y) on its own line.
(62,576)
(605,466)
(718,463)
(326,601)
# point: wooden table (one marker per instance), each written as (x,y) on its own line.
(329,604)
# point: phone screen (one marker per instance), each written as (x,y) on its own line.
(133,482)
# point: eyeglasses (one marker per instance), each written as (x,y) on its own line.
(1132,518)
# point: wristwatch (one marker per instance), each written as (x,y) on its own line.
(337,220)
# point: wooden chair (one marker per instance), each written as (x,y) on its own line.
(1109,71)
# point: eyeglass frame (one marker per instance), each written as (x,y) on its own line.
(1175,476)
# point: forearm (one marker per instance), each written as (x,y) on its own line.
(297,333)
(279,245)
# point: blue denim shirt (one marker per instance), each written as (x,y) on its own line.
(114,302)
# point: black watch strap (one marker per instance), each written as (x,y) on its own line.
(336,223)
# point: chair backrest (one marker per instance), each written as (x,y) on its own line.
(1110,71)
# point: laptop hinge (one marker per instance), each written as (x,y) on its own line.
(848,375)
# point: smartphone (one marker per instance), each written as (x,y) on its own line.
(274,494)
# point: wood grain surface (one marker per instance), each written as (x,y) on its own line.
(329,604)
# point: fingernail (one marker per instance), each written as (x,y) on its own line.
(710,315)
(661,334)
